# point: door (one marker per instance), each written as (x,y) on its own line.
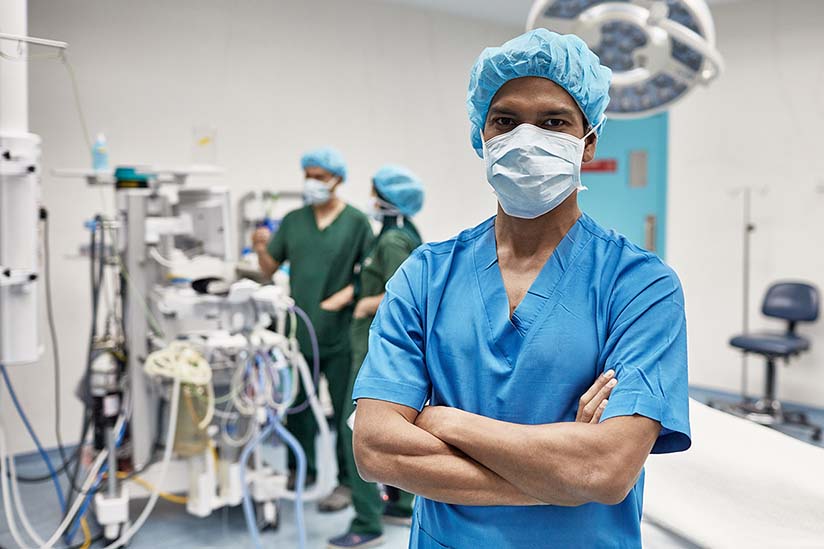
(628,181)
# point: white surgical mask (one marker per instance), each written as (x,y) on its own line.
(315,191)
(533,170)
(378,209)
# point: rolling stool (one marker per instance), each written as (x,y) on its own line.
(793,302)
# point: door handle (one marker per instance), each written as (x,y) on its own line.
(650,232)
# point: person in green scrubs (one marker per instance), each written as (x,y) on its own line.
(397,196)
(324,242)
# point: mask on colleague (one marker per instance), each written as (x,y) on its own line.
(533,170)
(379,209)
(315,191)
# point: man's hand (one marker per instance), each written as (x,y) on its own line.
(260,239)
(593,403)
(435,419)
(338,300)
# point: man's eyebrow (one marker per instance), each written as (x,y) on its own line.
(503,111)
(558,112)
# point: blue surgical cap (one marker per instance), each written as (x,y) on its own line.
(401,188)
(564,59)
(327,158)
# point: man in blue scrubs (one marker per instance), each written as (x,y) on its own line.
(483,344)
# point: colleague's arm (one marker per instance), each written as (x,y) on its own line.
(389,448)
(268,266)
(560,463)
(393,250)
(260,244)
(368,306)
(340,299)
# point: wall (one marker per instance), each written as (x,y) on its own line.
(382,82)
(759,126)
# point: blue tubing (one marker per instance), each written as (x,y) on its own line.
(88,500)
(35,439)
(300,458)
(313,339)
(248,512)
(85,505)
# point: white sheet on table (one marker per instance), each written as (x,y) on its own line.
(740,485)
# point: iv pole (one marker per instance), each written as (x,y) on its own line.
(749,229)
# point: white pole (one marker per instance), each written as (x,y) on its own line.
(19,197)
(14,104)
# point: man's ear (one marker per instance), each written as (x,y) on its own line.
(589,148)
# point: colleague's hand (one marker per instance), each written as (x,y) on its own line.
(260,239)
(367,306)
(338,300)
(594,401)
(361,309)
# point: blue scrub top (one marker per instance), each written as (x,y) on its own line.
(443,334)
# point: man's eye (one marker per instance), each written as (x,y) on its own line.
(554,123)
(504,122)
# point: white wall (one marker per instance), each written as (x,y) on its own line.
(758,125)
(384,83)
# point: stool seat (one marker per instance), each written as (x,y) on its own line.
(778,344)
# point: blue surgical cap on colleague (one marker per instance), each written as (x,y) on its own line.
(327,158)
(401,188)
(564,59)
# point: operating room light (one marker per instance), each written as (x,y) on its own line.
(658,50)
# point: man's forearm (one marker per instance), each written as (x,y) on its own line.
(452,478)
(559,464)
(395,452)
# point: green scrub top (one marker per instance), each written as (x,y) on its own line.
(322,263)
(393,246)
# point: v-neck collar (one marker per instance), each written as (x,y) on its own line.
(315,218)
(509,333)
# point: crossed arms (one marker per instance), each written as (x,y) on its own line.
(452,456)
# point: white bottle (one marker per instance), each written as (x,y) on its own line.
(100,154)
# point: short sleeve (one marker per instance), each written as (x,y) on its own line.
(395,367)
(394,250)
(277,247)
(647,348)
